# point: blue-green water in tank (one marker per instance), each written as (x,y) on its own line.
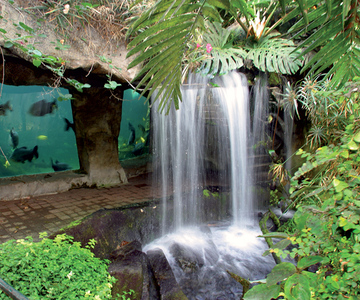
(40,128)
(134,128)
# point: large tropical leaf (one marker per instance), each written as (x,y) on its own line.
(223,57)
(275,55)
(161,39)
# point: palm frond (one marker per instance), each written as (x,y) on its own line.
(337,35)
(161,43)
(275,55)
(223,57)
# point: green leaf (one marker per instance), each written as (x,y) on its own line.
(353,146)
(25,27)
(223,59)
(223,4)
(274,55)
(282,244)
(280,272)
(206,193)
(356,137)
(308,261)
(36,62)
(342,222)
(112,85)
(8,44)
(297,287)
(339,185)
(344,154)
(277,235)
(262,292)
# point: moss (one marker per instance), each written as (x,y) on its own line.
(262,224)
(244,282)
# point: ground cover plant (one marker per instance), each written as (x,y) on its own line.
(54,269)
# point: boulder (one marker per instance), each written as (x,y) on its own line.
(169,288)
(132,269)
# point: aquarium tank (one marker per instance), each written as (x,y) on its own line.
(135,125)
(36,131)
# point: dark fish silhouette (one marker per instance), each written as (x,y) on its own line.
(131,140)
(139,149)
(14,138)
(22,154)
(69,124)
(42,107)
(58,166)
(4,108)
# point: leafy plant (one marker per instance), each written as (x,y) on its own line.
(125,295)
(274,54)
(65,13)
(54,269)
(333,29)
(168,31)
(224,57)
(165,29)
(328,231)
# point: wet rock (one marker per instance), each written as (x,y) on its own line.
(113,227)
(186,258)
(169,288)
(132,269)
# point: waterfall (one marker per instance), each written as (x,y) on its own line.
(211,130)
(233,97)
(261,139)
(180,147)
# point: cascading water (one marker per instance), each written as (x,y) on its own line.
(211,127)
(180,147)
(178,141)
(233,97)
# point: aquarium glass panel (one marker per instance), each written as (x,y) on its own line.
(134,128)
(36,133)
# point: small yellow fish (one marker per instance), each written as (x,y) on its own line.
(142,139)
(42,137)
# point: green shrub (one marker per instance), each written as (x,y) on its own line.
(54,269)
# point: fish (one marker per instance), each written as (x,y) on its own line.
(59,166)
(23,153)
(4,108)
(42,137)
(69,124)
(131,139)
(138,149)
(14,138)
(42,107)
